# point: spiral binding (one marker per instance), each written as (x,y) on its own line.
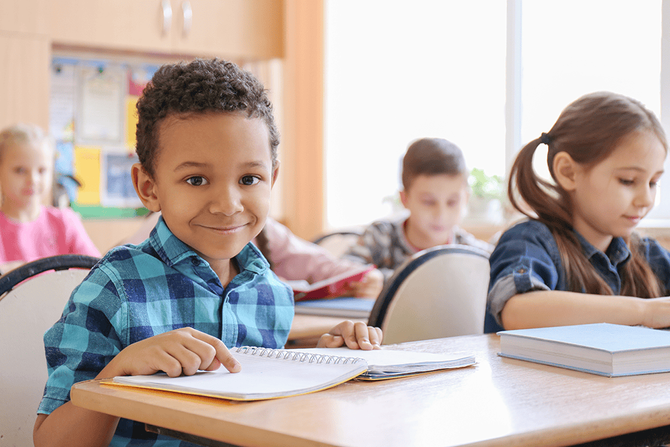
(299,356)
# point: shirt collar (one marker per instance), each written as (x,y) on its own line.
(617,252)
(172,251)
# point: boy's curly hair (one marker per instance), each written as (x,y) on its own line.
(200,86)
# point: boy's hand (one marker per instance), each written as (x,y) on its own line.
(353,335)
(370,286)
(181,351)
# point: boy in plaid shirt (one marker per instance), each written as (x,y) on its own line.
(207,145)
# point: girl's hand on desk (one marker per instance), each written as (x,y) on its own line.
(370,286)
(353,335)
(656,312)
(183,350)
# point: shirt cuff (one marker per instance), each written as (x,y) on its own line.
(505,289)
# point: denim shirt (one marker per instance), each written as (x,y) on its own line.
(526,258)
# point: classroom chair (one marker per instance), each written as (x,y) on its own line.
(438,292)
(337,242)
(32,299)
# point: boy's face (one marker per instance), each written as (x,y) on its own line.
(436,204)
(212,181)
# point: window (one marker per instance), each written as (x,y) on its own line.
(397,71)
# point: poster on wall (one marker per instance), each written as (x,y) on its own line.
(101,106)
(116,185)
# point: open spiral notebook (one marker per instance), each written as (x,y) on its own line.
(273,373)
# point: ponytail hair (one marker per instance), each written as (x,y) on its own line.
(589,129)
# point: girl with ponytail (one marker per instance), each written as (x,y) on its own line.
(577,259)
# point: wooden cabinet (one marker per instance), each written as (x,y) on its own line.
(24,16)
(24,79)
(234,29)
(25,51)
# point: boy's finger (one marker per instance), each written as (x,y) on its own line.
(375,337)
(223,355)
(330,341)
(359,337)
(227,360)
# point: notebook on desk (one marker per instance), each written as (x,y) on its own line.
(274,373)
(348,307)
(335,286)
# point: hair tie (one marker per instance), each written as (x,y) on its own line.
(545,138)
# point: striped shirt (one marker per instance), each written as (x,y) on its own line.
(385,245)
(138,291)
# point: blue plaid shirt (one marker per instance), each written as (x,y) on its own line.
(136,292)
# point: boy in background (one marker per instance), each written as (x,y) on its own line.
(436,193)
(207,146)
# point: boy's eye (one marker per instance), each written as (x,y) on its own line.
(196,180)
(626,182)
(249,180)
(19,170)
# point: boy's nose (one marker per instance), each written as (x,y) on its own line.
(226,201)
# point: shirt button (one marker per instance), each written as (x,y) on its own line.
(522,270)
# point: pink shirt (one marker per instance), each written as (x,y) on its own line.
(294,258)
(56,231)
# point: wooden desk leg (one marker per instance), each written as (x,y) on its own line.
(186,437)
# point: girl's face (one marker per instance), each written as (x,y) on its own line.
(610,198)
(26,175)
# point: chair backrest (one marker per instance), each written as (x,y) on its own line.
(438,292)
(27,310)
(338,242)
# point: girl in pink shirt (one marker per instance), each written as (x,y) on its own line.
(29,230)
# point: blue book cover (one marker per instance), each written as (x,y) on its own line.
(603,348)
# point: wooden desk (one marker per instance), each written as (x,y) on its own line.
(498,402)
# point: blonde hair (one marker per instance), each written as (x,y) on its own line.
(589,129)
(22,133)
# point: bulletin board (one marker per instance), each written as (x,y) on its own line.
(93,120)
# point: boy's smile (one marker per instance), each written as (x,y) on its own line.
(213,178)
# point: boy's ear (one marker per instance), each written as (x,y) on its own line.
(145,187)
(565,170)
(403,198)
(275,173)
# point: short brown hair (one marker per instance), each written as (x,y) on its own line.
(431,156)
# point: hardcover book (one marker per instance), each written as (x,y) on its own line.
(607,349)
